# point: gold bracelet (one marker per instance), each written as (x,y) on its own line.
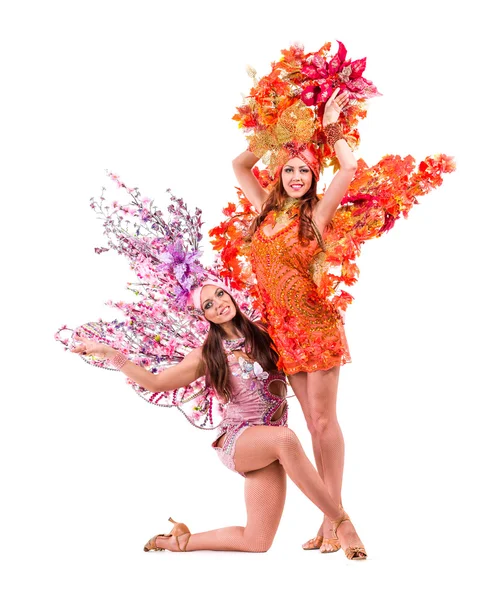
(333,133)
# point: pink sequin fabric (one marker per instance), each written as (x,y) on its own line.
(252,401)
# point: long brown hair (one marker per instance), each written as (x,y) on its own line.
(258,346)
(276,200)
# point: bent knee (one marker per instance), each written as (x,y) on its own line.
(288,443)
(261,545)
(287,437)
(266,546)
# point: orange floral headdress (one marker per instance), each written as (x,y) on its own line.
(282,115)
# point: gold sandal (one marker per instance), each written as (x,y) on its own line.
(352,552)
(314,543)
(333,544)
(356,553)
(179,530)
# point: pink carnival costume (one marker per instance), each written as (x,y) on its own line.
(161,328)
(252,402)
(166,322)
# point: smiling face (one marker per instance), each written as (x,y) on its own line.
(296,178)
(217,305)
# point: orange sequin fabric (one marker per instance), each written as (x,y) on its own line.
(307,330)
(297,288)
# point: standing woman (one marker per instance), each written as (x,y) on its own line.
(300,118)
(308,333)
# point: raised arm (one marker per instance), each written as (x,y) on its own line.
(242,166)
(325,209)
(181,375)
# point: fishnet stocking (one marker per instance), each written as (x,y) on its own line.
(260,446)
(265,497)
(264,454)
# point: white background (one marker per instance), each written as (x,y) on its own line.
(89,471)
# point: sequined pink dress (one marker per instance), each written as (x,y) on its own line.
(252,401)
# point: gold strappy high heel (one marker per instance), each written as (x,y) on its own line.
(179,531)
(313,544)
(352,552)
(332,544)
(356,553)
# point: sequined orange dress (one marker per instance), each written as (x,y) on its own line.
(307,330)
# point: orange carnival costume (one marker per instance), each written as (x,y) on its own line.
(297,283)
(306,329)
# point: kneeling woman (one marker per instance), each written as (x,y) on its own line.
(239,363)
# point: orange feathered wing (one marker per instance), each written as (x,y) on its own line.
(377,197)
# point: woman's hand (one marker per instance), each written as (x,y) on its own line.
(92,347)
(334,106)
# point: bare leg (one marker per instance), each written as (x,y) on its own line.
(299,383)
(325,429)
(319,402)
(265,497)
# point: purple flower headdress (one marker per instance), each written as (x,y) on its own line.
(159,327)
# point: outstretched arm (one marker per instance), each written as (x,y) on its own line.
(325,209)
(181,375)
(242,166)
